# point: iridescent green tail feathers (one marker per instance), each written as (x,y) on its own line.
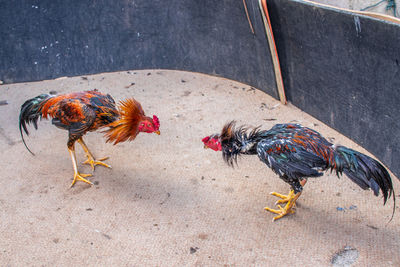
(365,171)
(30,113)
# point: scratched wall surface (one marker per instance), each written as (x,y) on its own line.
(48,39)
(344,69)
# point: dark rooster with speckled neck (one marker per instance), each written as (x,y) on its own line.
(296,153)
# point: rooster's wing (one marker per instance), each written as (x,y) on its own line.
(286,158)
(73,115)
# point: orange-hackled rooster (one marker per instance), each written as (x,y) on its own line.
(81,112)
(296,153)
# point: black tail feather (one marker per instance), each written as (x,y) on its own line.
(30,113)
(367,173)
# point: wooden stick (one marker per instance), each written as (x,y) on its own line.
(274,52)
(248,17)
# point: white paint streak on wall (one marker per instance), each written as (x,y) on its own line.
(357,24)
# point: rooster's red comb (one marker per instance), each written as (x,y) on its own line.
(156,122)
(205,139)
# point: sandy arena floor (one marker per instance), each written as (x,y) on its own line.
(169,202)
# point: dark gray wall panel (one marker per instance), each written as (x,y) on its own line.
(52,38)
(344,69)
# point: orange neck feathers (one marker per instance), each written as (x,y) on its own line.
(127,126)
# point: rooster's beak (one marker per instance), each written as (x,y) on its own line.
(205,146)
(157,132)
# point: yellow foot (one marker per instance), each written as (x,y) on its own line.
(80,177)
(290,201)
(92,162)
(284,198)
(281,212)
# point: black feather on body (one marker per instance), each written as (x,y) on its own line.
(295,152)
(238,141)
(30,113)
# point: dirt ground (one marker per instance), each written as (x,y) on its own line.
(169,202)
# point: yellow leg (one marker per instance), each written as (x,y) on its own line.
(77,175)
(288,209)
(90,159)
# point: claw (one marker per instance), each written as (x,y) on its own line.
(90,159)
(92,162)
(284,198)
(290,201)
(80,177)
(281,212)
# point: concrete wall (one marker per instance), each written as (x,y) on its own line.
(344,69)
(52,38)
